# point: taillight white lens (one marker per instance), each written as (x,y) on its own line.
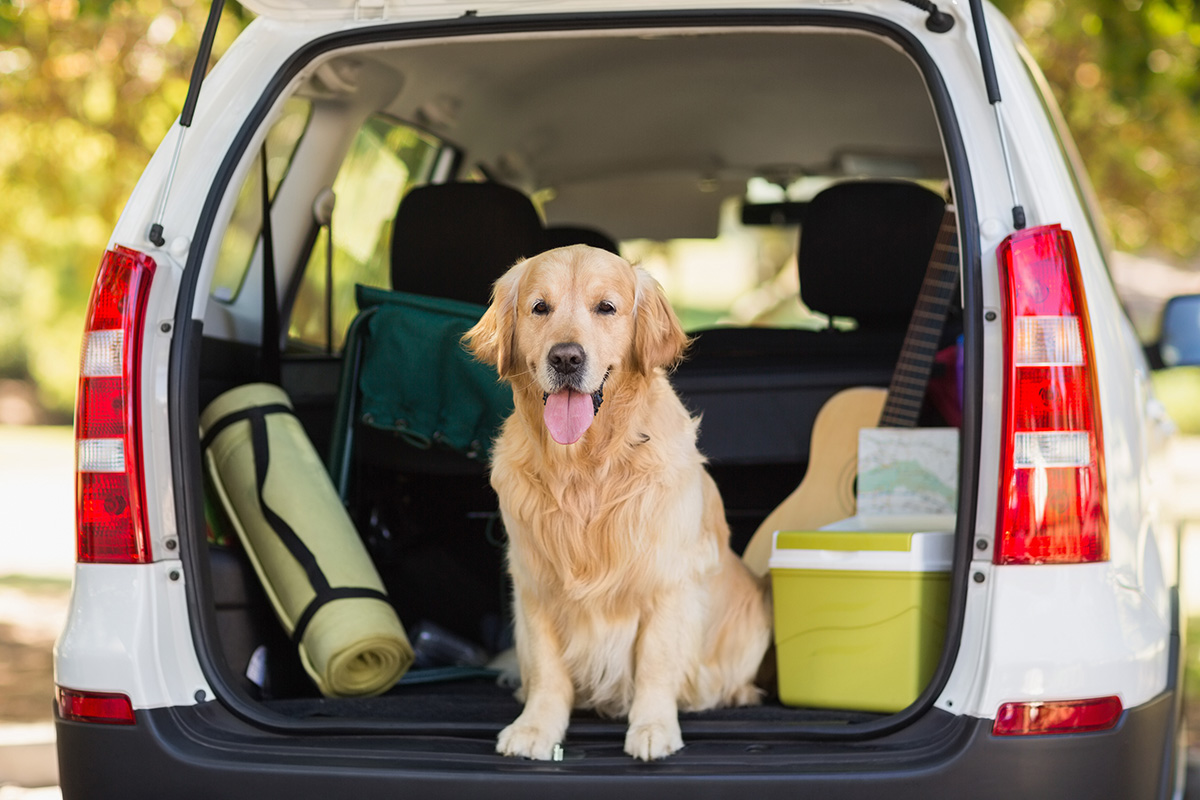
(102,354)
(110,518)
(100,455)
(1051,449)
(1052,495)
(1047,341)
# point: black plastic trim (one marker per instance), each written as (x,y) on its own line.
(1176,666)
(183,372)
(202,751)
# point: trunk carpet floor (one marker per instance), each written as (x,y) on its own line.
(480,701)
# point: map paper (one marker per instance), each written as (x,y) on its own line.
(907,471)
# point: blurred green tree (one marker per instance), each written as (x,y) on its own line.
(88,88)
(1124,73)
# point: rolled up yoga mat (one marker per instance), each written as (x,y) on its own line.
(302,543)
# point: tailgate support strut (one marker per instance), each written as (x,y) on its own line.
(993,95)
(185,117)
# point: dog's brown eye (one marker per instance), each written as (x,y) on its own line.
(540,308)
(605,307)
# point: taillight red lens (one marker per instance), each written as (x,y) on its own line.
(104,707)
(1052,507)
(110,514)
(1060,716)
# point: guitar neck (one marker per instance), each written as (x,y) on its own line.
(906,392)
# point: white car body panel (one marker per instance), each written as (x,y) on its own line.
(1105,639)
(127,632)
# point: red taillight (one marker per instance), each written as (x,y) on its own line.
(1052,500)
(104,707)
(1061,716)
(110,516)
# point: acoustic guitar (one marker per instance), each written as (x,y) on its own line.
(826,493)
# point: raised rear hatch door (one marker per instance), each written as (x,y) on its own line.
(390,9)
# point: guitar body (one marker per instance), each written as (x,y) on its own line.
(826,494)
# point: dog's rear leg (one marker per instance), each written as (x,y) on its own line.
(668,643)
(547,686)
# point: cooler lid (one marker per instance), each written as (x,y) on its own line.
(876,551)
(894,522)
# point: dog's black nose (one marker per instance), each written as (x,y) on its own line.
(567,357)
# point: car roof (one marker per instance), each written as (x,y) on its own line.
(403,10)
(619,124)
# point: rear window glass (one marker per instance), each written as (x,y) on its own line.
(748,276)
(386,159)
(241,237)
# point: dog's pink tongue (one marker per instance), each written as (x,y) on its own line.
(568,414)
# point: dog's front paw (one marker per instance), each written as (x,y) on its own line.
(530,741)
(653,740)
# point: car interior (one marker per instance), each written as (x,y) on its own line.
(786,186)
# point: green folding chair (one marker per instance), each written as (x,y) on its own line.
(407,376)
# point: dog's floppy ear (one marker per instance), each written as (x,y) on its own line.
(493,339)
(658,338)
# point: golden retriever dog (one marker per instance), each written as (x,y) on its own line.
(627,597)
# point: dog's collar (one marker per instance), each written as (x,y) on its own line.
(597,396)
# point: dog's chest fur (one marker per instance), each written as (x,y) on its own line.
(580,541)
(600,521)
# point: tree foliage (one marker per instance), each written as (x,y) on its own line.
(1124,72)
(88,88)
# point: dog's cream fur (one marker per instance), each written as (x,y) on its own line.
(628,598)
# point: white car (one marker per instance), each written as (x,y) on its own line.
(789,170)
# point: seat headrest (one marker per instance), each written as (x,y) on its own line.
(864,247)
(455,239)
(565,235)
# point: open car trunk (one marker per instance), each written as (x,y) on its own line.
(704,148)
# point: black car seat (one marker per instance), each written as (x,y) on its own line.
(863,253)
(454,240)
(564,235)
(417,414)
(450,242)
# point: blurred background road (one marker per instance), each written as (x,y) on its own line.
(37,557)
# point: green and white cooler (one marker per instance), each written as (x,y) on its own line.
(860,610)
